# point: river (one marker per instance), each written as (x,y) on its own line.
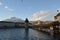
(22,34)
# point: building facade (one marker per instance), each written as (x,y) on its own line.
(57,17)
(5,24)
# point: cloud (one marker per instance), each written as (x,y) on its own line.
(39,15)
(6,7)
(11,9)
(1,3)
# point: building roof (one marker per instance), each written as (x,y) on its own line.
(57,15)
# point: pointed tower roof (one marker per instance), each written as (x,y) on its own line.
(26,20)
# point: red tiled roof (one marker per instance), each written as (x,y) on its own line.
(58,14)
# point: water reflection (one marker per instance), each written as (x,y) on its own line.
(27,34)
(22,34)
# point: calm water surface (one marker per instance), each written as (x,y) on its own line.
(22,34)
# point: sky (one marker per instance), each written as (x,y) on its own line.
(31,9)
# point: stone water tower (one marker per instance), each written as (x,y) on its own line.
(26,24)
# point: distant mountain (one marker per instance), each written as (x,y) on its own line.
(14,19)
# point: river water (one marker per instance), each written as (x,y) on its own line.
(22,34)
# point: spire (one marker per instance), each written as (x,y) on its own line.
(26,21)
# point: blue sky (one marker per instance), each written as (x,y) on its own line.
(32,9)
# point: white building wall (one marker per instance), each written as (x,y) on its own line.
(58,18)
